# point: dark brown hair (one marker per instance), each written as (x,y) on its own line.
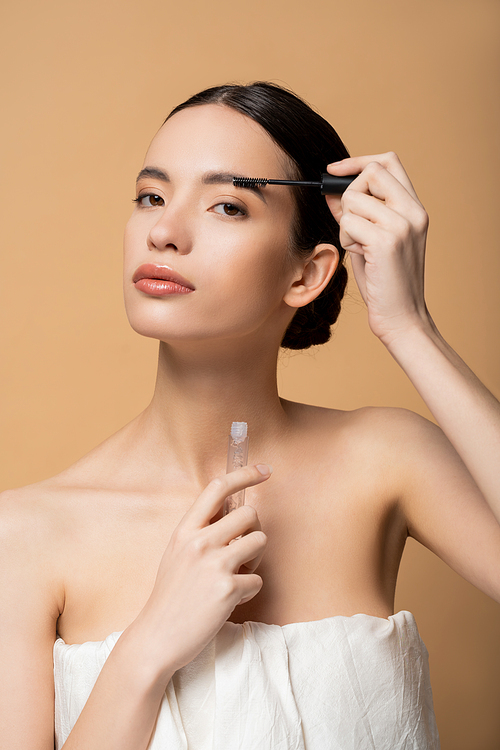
(311,143)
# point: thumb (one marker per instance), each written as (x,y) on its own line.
(335,205)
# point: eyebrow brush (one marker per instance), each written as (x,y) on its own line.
(330,184)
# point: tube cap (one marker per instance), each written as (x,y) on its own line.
(333,185)
(239,430)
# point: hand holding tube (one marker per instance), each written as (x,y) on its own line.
(205,572)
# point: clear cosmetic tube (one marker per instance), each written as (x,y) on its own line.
(237,456)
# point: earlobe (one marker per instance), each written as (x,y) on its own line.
(313,275)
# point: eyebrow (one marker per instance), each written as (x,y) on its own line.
(209,178)
(154,172)
(217,178)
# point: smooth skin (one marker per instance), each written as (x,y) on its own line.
(131,538)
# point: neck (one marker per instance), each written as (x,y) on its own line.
(199,392)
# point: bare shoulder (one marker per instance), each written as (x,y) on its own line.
(386,455)
(25,515)
(30,525)
(407,450)
(39,521)
(42,521)
(382,430)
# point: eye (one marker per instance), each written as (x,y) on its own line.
(149,200)
(229,209)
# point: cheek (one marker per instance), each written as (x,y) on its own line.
(251,279)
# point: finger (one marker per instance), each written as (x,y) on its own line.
(356,164)
(209,502)
(248,586)
(240,521)
(358,268)
(363,204)
(393,216)
(380,187)
(390,161)
(357,234)
(247,552)
(379,182)
(335,205)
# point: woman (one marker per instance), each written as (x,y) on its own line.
(273,626)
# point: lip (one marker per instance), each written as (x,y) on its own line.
(154,272)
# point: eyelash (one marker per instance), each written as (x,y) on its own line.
(242,211)
(140,198)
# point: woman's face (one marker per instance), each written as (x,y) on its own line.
(228,245)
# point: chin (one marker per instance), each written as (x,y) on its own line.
(173,325)
(170,332)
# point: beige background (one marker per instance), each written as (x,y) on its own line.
(86,84)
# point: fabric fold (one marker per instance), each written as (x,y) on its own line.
(341,683)
(255,708)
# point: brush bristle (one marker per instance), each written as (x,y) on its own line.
(249,181)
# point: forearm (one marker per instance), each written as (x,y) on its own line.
(464,408)
(123,706)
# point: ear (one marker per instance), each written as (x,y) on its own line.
(312,276)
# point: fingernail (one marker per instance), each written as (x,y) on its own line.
(264,469)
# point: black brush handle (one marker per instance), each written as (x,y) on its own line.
(332,185)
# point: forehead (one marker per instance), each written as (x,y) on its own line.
(216,137)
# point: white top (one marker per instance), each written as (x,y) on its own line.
(342,683)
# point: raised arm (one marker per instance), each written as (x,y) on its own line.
(384,227)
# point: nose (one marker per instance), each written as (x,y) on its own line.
(171,231)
